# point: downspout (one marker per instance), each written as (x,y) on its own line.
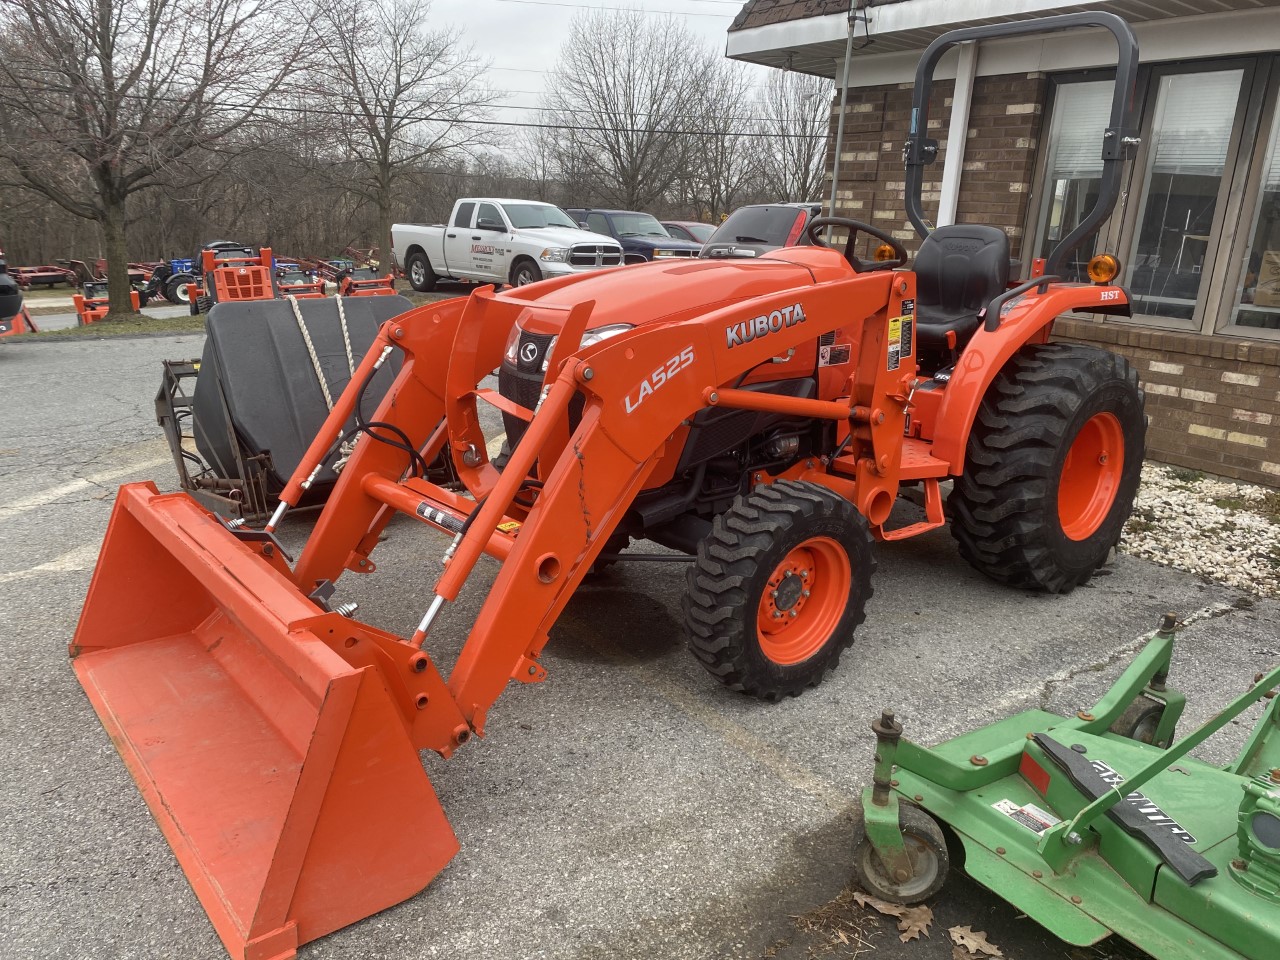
(957,133)
(854,7)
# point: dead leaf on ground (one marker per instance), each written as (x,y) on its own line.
(912,921)
(974,942)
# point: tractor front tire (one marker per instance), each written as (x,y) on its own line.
(201,305)
(1053,464)
(777,589)
(926,849)
(421,277)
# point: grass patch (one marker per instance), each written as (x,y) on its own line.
(132,324)
(1184,475)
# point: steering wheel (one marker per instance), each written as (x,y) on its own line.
(854,227)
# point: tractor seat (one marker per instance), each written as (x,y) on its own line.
(959,270)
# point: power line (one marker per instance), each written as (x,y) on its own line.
(595,6)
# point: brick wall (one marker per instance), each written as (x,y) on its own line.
(1213,402)
(999,160)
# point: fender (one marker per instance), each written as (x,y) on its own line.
(1025,319)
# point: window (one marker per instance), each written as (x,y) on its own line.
(463,217)
(490,212)
(1257,292)
(1073,168)
(597,223)
(1181,183)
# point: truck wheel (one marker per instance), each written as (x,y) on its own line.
(778,588)
(526,271)
(1053,464)
(175,288)
(926,849)
(421,277)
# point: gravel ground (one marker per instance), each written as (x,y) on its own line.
(1219,529)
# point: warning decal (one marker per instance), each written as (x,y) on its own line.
(899,341)
(1029,815)
(833,355)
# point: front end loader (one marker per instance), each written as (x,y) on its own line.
(759,418)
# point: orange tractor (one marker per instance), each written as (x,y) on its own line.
(761,416)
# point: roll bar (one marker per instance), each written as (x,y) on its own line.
(1118,140)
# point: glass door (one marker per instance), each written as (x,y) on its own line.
(1256,301)
(1189,144)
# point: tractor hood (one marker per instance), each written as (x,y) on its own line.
(659,291)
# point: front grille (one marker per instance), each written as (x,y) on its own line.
(594,255)
(521,383)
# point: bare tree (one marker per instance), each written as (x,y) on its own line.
(100,99)
(399,92)
(626,92)
(795,112)
(725,164)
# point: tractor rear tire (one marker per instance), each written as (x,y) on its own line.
(1053,464)
(201,305)
(421,277)
(926,848)
(778,587)
(175,288)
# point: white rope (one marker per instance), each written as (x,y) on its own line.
(349,445)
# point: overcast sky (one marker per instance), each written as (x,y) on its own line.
(523,37)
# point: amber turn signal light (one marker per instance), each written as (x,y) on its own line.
(885,252)
(1103,268)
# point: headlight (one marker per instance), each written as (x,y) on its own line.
(590,338)
(555,254)
(663,253)
(513,344)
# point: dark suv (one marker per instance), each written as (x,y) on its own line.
(642,236)
(759,228)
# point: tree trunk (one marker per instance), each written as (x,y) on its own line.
(117,255)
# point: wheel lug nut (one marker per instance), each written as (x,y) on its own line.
(777,615)
(804,593)
(804,574)
(773,594)
(793,613)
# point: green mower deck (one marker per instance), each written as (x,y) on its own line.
(1183,860)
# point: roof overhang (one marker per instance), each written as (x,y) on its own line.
(1166,30)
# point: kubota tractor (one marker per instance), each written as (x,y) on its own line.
(93,303)
(761,416)
(14,317)
(231,272)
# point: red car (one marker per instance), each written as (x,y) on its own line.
(693,230)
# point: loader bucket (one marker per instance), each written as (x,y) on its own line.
(282,776)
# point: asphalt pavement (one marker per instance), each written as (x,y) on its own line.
(61,321)
(627,807)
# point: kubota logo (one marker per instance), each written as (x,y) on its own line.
(744,331)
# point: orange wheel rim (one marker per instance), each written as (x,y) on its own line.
(803,601)
(1091,476)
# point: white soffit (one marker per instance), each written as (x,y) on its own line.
(901,31)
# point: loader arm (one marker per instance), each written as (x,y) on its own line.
(638,389)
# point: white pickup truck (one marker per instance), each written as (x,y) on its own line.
(500,241)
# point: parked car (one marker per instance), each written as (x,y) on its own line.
(756,229)
(642,237)
(694,230)
(500,241)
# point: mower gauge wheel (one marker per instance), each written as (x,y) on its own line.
(855,227)
(926,849)
(1140,721)
(778,587)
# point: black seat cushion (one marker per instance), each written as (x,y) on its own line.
(959,269)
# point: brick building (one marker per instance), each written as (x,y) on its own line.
(1019,124)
